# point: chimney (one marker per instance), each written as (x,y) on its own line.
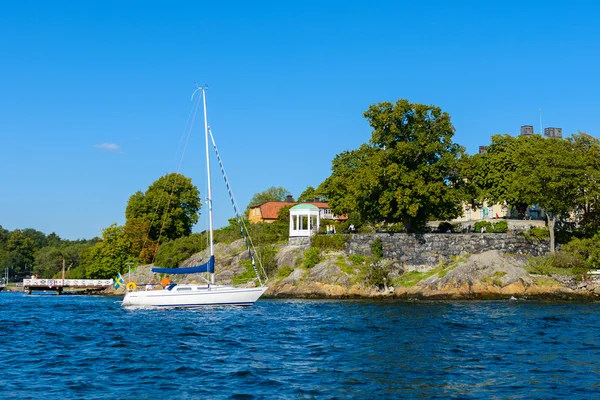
(289,198)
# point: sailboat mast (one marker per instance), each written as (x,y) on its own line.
(209,190)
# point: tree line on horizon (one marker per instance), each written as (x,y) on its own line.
(408,173)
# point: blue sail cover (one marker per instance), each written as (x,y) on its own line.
(207,267)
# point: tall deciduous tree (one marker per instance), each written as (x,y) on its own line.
(271,194)
(309,194)
(48,262)
(169,208)
(547,175)
(407,173)
(532,170)
(495,174)
(21,251)
(109,256)
(587,152)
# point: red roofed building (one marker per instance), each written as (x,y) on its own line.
(267,212)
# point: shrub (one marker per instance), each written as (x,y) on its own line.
(229,233)
(377,275)
(377,248)
(443,227)
(312,256)
(500,227)
(329,242)
(266,254)
(395,227)
(284,272)
(536,233)
(247,276)
(480,224)
(172,253)
(558,263)
(586,249)
(269,233)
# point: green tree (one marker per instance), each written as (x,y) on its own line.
(169,208)
(21,251)
(309,194)
(172,253)
(142,246)
(547,175)
(4,235)
(53,240)
(283,215)
(39,238)
(48,262)
(271,194)
(532,170)
(586,151)
(496,173)
(408,172)
(110,256)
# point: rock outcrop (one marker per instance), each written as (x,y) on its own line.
(495,273)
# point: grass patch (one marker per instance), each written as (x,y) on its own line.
(492,280)
(545,281)
(284,272)
(349,269)
(247,276)
(357,259)
(410,278)
(547,265)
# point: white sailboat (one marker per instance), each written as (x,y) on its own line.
(196,295)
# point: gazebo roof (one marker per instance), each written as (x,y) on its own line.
(304,207)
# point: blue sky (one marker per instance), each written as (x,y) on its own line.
(95,95)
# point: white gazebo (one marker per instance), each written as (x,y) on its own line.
(304,220)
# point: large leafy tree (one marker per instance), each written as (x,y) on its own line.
(495,174)
(168,209)
(309,194)
(49,259)
(531,170)
(547,174)
(20,253)
(408,172)
(4,235)
(109,256)
(48,262)
(271,194)
(586,151)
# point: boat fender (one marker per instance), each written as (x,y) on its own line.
(131,286)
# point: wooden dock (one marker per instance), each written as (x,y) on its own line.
(58,285)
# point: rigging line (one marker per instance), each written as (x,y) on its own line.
(243,228)
(175,179)
(191,115)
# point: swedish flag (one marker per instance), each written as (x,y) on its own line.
(118,281)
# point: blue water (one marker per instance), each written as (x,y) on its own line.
(76,347)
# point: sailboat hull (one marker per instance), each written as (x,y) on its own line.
(194,296)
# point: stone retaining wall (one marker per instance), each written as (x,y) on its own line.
(431,248)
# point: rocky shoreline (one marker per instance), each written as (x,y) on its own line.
(491,274)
